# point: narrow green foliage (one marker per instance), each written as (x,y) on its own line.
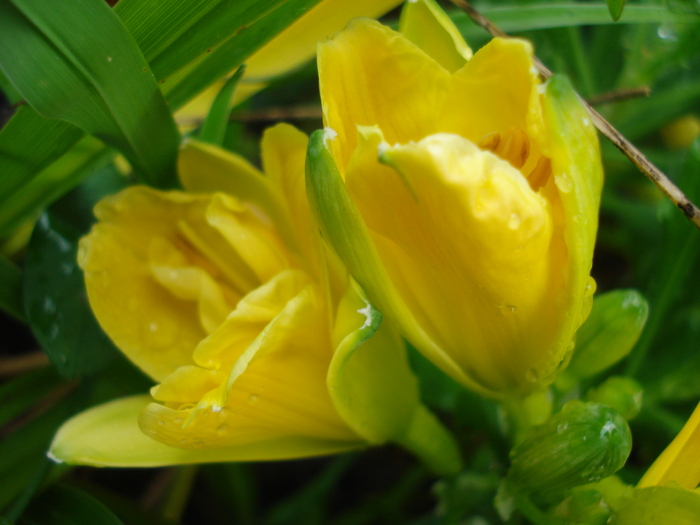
(63,505)
(97,80)
(214,127)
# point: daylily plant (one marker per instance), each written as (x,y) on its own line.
(261,345)
(462,193)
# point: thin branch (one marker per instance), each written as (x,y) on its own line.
(629,150)
(617,96)
(10,366)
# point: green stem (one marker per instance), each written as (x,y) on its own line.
(532,512)
(432,443)
(176,499)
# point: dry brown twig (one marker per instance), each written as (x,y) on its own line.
(629,150)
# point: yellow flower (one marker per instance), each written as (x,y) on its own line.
(289,50)
(261,345)
(462,194)
(667,494)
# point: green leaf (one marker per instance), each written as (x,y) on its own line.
(214,127)
(28,144)
(232,53)
(518,17)
(56,301)
(21,392)
(63,505)
(97,80)
(11,289)
(615,7)
(37,193)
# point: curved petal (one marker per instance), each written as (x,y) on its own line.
(577,178)
(109,436)
(496,91)
(205,168)
(373,76)
(680,462)
(374,390)
(347,233)
(425,24)
(450,201)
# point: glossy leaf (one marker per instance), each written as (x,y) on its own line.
(615,7)
(37,193)
(232,53)
(97,80)
(56,301)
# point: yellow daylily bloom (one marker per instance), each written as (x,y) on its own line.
(463,198)
(260,344)
(289,50)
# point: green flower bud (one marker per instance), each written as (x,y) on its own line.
(660,506)
(583,443)
(608,335)
(624,394)
(586,507)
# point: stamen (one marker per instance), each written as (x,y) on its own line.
(513,146)
(539,175)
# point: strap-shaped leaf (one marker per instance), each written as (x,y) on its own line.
(615,7)
(97,80)
(214,127)
(233,52)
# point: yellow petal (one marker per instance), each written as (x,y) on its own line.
(372,76)
(161,271)
(379,409)
(276,386)
(297,44)
(494,92)
(108,435)
(450,201)
(283,150)
(680,462)
(425,24)
(347,233)
(204,168)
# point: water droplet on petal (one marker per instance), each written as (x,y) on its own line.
(177,420)
(222,430)
(253,398)
(161,422)
(532,375)
(514,221)
(563,182)
(508,309)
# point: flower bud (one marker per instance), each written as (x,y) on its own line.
(583,443)
(623,394)
(608,335)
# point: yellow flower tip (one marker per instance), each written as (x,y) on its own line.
(679,464)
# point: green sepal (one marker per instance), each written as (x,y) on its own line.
(583,443)
(610,332)
(375,391)
(624,394)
